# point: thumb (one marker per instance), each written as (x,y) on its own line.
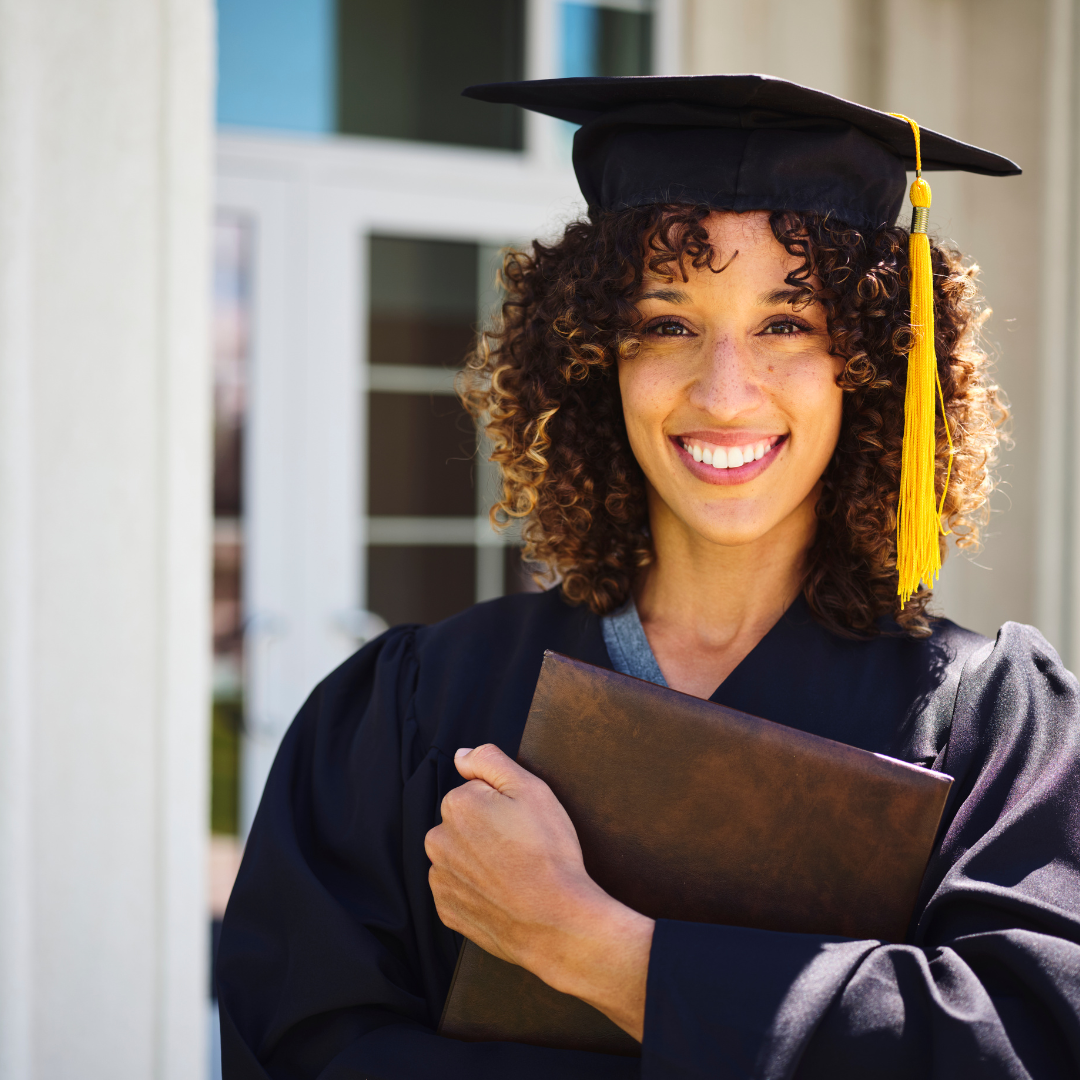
(490,764)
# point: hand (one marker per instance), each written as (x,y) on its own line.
(506,871)
(506,865)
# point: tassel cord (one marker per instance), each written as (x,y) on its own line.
(919,526)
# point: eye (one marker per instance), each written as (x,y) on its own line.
(668,328)
(785,328)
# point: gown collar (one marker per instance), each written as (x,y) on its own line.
(630,652)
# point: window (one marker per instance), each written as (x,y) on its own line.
(369,67)
(402,67)
(431,551)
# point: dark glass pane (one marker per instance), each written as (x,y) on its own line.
(232,333)
(402,66)
(227,614)
(624,43)
(423,301)
(431,342)
(420,584)
(420,456)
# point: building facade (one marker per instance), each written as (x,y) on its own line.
(342,257)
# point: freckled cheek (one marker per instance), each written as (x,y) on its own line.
(807,393)
(647,397)
(821,414)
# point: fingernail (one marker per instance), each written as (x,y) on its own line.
(462,751)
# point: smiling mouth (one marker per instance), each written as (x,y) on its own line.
(729,457)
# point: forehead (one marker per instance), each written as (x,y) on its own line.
(744,245)
(748,232)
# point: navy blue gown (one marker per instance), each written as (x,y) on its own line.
(333,962)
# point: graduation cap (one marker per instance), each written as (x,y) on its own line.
(738,142)
(753,142)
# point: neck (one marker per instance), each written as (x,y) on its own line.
(704,606)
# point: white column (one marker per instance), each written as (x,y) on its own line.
(105,126)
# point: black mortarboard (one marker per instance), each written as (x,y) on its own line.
(738,142)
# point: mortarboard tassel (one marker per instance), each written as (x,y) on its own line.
(918,556)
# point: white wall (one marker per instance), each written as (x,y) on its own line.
(105,123)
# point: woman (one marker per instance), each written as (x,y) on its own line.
(696,399)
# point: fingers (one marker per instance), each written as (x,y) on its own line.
(432,842)
(490,764)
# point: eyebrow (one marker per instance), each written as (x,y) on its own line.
(671,296)
(787,295)
(781,296)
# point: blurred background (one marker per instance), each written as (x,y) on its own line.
(243,250)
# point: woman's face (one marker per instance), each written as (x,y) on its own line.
(731,403)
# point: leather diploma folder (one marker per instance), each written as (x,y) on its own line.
(689,810)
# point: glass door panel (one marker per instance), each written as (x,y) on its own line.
(422,301)
(233,241)
(420,583)
(420,456)
(429,552)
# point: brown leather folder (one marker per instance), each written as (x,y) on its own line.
(689,810)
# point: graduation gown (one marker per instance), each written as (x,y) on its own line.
(333,962)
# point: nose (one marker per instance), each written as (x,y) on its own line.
(727,386)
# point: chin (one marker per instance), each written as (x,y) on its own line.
(731,533)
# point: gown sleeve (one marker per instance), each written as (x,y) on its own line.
(333,963)
(987,984)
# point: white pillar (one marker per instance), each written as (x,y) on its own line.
(105,129)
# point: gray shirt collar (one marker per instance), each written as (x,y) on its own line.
(628,646)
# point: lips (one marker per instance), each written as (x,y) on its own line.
(727,463)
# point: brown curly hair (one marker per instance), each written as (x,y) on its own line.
(543,384)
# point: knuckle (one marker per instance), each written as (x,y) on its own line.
(450,802)
(431,845)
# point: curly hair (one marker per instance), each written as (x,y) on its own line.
(543,384)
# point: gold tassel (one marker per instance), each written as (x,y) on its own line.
(918,555)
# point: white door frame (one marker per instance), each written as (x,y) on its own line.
(312,204)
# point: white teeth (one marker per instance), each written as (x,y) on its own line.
(730,457)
